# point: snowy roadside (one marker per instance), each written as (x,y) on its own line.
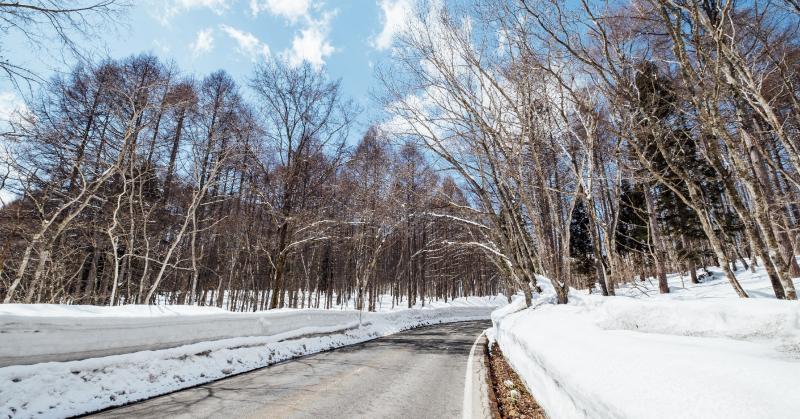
(30,331)
(59,389)
(698,353)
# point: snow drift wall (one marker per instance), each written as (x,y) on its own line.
(34,339)
(655,358)
(64,333)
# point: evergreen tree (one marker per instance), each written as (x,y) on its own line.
(631,234)
(581,249)
(676,219)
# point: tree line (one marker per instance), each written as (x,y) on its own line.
(603,142)
(590,143)
(138,184)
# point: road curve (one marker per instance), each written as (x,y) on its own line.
(421,373)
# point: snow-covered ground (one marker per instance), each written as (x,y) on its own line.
(204,344)
(384,302)
(30,331)
(699,352)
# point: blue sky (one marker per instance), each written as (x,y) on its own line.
(346,37)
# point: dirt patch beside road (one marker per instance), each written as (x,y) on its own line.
(511,398)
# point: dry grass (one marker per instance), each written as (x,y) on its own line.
(510,395)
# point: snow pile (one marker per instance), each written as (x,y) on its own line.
(666,356)
(714,285)
(59,389)
(30,330)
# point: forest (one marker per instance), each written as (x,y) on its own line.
(588,144)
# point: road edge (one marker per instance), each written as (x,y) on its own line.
(290,359)
(477,402)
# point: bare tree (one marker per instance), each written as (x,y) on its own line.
(40,21)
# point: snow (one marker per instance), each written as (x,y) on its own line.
(756,284)
(223,344)
(71,311)
(383,302)
(699,352)
(29,330)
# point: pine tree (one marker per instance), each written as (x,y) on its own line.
(631,234)
(580,243)
(677,220)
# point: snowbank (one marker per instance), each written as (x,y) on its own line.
(64,333)
(755,283)
(692,354)
(34,333)
(59,389)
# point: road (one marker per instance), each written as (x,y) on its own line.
(421,373)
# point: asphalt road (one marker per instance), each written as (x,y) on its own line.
(422,373)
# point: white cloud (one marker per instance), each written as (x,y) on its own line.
(289,9)
(203,42)
(396,14)
(172,8)
(311,44)
(248,44)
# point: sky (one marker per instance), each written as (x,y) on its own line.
(346,38)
